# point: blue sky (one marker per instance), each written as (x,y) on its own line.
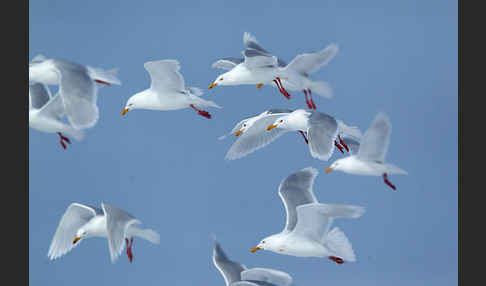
(168,168)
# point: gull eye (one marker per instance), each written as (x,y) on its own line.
(263,241)
(244,125)
(221,79)
(281,120)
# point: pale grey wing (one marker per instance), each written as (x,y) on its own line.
(267,275)
(252,283)
(375,141)
(308,63)
(296,190)
(38,59)
(54,108)
(230,270)
(279,110)
(227,63)
(322,131)
(39,95)
(165,75)
(352,144)
(74,217)
(117,222)
(314,220)
(250,42)
(255,59)
(78,93)
(256,137)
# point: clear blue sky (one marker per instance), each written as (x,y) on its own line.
(168,168)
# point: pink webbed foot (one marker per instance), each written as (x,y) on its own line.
(385,178)
(203,113)
(63,138)
(129,249)
(343,144)
(338,146)
(336,259)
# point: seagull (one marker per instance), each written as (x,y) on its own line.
(369,159)
(167,91)
(78,87)
(82,221)
(252,135)
(306,232)
(322,131)
(236,274)
(46,113)
(257,66)
(300,68)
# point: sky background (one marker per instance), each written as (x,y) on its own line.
(168,168)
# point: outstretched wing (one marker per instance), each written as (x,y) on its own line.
(267,275)
(296,190)
(322,131)
(78,93)
(227,63)
(229,269)
(74,217)
(256,137)
(165,75)
(375,141)
(117,222)
(308,63)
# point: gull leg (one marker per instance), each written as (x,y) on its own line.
(280,88)
(385,178)
(62,139)
(342,143)
(336,259)
(201,112)
(338,146)
(312,100)
(309,105)
(129,249)
(305,138)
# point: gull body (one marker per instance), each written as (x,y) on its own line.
(369,157)
(307,229)
(80,222)
(167,91)
(236,274)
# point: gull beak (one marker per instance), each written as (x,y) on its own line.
(124,111)
(328,170)
(238,133)
(254,249)
(270,127)
(76,239)
(212,85)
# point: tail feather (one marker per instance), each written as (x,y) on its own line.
(150,235)
(395,170)
(199,102)
(339,244)
(196,91)
(321,88)
(343,211)
(77,134)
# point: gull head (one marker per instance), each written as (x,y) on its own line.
(80,234)
(223,79)
(246,125)
(340,164)
(133,102)
(272,243)
(281,122)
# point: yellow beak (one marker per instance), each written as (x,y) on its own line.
(76,239)
(238,133)
(270,127)
(124,111)
(212,85)
(254,249)
(328,170)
